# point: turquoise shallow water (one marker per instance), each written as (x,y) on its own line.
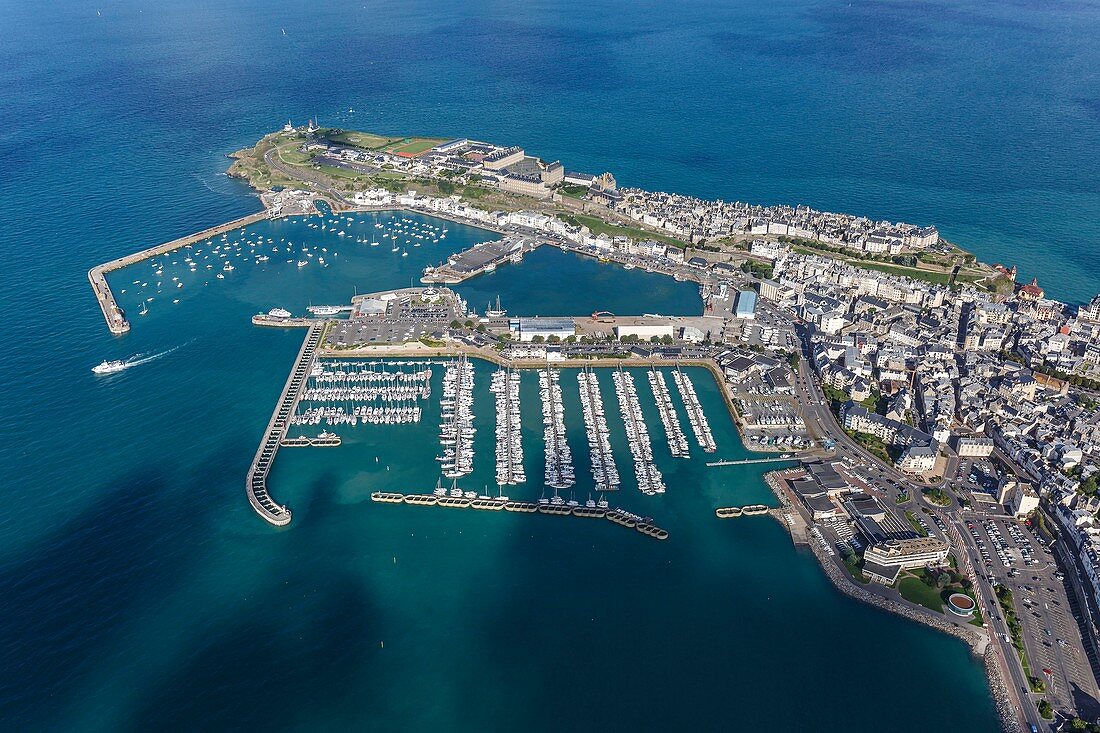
(157,582)
(139,589)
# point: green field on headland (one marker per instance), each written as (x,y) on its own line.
(250,165)
(598,226)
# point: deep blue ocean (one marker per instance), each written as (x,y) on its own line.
(139,591)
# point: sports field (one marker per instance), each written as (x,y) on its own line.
(416,145)
(365,140)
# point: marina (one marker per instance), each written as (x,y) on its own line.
(650,480)
(605,474)
(456,429)
(349,392)
(696,417)
(677,441)
(509,451)
(559,458)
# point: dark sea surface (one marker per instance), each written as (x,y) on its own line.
(139,591)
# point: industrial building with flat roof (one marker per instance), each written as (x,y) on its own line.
(746,304)
(525,329)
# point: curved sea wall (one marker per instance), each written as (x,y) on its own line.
(977,641)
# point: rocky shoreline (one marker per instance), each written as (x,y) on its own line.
(1001,699)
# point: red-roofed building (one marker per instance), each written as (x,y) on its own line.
(1031,292)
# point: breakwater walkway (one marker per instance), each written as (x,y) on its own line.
(747,461)
(620,517)
(256,483)
(97,276)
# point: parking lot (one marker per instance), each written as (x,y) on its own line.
(1013,556)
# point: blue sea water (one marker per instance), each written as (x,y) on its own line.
(137,588)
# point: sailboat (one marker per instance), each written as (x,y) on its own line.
(497,312)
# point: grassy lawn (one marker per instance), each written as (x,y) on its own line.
(853,563)
(366,140)
(873,444)
(913,587)
(912,519)
(418,145)
(932,276)
(914,590)
(939,497)
(329,170)
(599,226)
(290,155)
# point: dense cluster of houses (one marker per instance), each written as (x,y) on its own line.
(947,364)
(696,219)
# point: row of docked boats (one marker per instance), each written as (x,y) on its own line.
(363,393)
(650,480)
(677,441)
(456,424)
(559,458)
(509,454)
(604,472)
(696,417)
(367,392)
(353,373)
(365,414)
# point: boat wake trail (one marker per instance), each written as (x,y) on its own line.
(111,367)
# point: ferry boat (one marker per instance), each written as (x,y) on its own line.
(324,310)
(279,313)
(109,367)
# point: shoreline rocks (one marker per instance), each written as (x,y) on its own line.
(976,640)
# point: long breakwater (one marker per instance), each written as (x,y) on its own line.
(256,483)
(97,276)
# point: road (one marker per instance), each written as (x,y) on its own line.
(819,417)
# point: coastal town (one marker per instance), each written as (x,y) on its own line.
(943,416)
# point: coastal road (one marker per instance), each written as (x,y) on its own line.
(301,173)
(1005,654)
(818,415)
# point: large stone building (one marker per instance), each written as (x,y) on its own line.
(911,553)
